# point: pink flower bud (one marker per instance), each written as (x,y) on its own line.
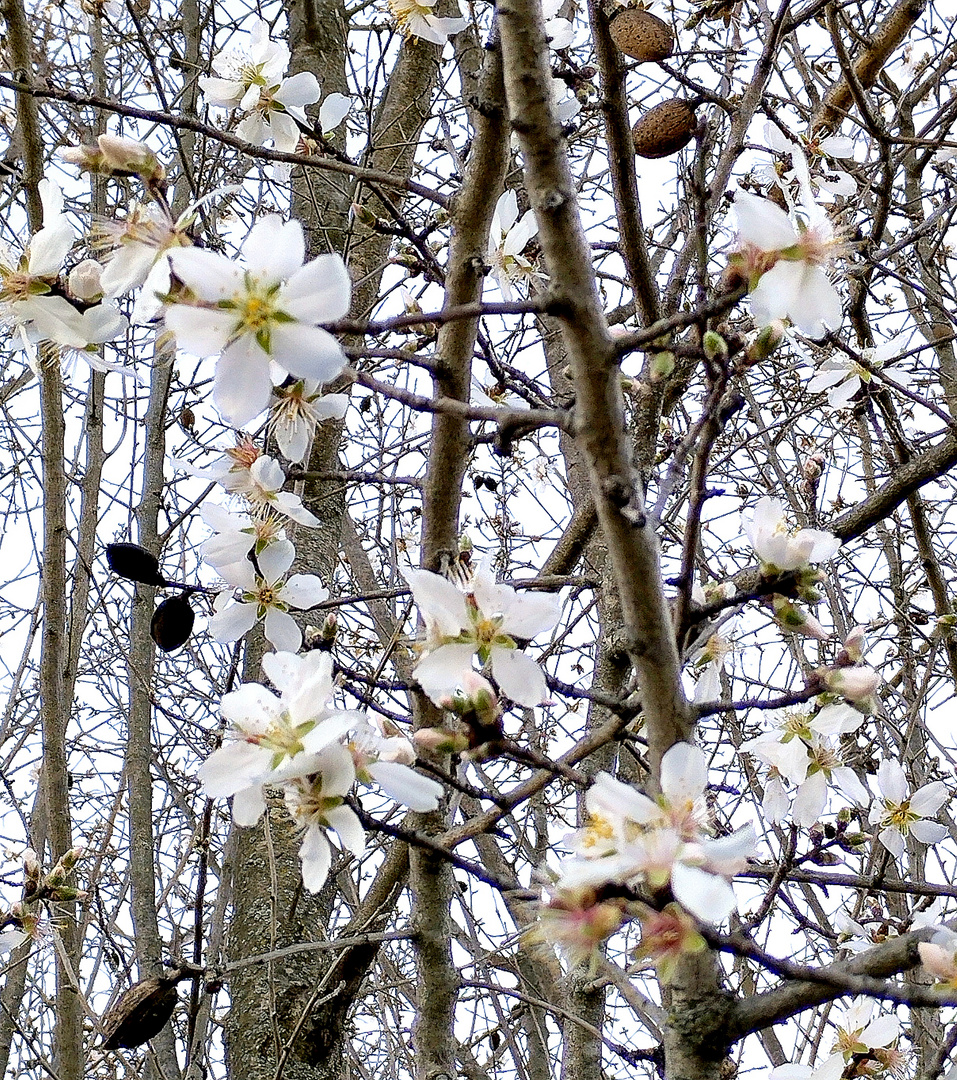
(853,683)
(854,644)
(84,281)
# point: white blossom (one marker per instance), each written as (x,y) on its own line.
(784,266)
(482,618)
(296,411)
(267,595)
(777,547)
(266,310)
(316,803)
(842,376)
(900,813)
(508,237)
(636,840)
(416,18)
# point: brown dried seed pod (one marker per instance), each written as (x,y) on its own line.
(665,129)
(141,1013)
(641,35)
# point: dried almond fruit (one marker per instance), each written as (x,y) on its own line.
(665,129)
(641,35)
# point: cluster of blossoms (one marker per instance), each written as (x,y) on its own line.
(315,753)
(43,301)
(251,79)
(634,847)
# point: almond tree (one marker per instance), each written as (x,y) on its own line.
(478,477)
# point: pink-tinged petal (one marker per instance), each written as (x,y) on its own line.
(926,801)
(307,351)
(708,897)
(406,786)
(303,591)
(320,291)
(519,677)
(348,828)
(316,858)
(441,672)
(274,249)
(232,622)
(275,560)
(298,90)
(531,613)
(439,601)
(281,630)
(684,772)
(209,275)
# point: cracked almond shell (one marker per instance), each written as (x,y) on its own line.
(665,129)
(643,36)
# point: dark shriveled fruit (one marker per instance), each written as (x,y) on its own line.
(141,1013)
(643,36)
(665,129)
(172,622)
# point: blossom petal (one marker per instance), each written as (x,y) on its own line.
(406,786)
(519,676)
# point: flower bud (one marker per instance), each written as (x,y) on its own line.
(440,741)
(766,343)
(130,158)
(854,644)
(83,282)
(855,684)
(715,347)
(795,619)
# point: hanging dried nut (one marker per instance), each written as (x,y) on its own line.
(134,563)
(141,1013)
(172,622)
(665,129)
(641,35)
